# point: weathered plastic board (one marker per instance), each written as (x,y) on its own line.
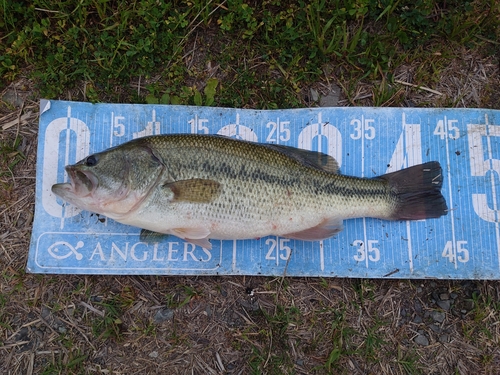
(365,141)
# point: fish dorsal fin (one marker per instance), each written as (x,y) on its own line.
(195,190)
(327,228)
(313,159)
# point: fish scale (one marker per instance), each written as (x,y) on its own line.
(199,187)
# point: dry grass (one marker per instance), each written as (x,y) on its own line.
(241,325)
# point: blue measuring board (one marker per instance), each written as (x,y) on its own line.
(366,142)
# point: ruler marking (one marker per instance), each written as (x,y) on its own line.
(450,201)
(493,187)
(321,250)
(111,130)
(233,262)
(365,244)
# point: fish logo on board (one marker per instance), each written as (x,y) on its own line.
(62,250)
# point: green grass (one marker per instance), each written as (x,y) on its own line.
(485,312)
(270,340)
(10,156)
(408,363)
(265,52)
(110,326)
(70,365)
(182,296)
(340,338)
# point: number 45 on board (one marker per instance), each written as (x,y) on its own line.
(456,252)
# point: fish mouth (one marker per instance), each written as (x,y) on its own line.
(83,183)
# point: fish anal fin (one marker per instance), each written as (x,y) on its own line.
(195,190)
(195,235)
(314,159)
(203,242)
(327,228)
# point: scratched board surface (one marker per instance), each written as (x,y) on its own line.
(366,142)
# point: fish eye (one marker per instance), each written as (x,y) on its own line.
(91,161)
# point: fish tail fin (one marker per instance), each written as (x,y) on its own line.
(417,192)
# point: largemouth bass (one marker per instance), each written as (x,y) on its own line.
(201,187)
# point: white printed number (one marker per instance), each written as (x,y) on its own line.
(278,129)
(362,128)
(446,128)
(482,139)
(370,251)
(118,127)
(461,254)
(276,252)
(198,125)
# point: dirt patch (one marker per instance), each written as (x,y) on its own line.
(238,325)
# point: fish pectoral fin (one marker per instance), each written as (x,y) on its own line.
(327,228)
(197,236)
(314,159)
(196,190)
(150,236)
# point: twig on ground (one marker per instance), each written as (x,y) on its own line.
(418,87)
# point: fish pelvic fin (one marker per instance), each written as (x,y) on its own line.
(327,228)
(196,190)
(417,191)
